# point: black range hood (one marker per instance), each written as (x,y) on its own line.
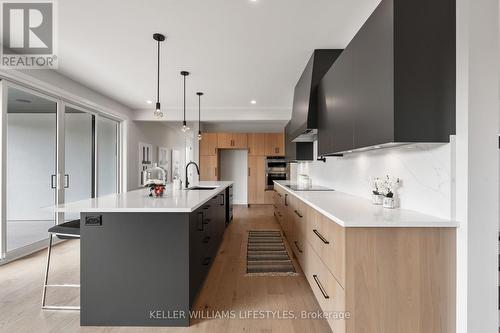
(395,81)
(304,124)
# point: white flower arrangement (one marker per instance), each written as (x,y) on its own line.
(389,186)
(377,186)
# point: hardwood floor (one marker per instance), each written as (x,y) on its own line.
(226,288)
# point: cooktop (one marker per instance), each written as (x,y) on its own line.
(311,188)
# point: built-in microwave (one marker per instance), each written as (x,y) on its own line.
(276,169)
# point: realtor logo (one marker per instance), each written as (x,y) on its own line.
(28,30)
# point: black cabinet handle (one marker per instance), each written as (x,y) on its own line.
(206,239)
(222,199)
(298,214)
(200,218)
(297,246)
(286,197)
(320,286)
(206,261)
(321,236)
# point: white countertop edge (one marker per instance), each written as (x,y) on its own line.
(220,186)
(437,223)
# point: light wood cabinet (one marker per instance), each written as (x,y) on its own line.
(224,140)
(240,141)
(257,144)
(275,144)
(370,274)
(256,179)
(208,144)
(232,141)
(209,168)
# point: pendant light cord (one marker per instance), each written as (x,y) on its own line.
(199,113)
(184,98)
(158,79)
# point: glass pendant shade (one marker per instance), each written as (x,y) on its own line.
(154,176)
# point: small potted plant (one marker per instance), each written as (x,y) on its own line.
(377,197)
(389,187)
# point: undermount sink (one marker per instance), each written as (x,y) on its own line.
(202,188)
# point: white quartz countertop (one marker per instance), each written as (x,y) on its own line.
(173,201)
(351,211)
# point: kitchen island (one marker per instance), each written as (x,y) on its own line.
(144,259)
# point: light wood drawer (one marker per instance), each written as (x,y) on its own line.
(326,289)
(327,238)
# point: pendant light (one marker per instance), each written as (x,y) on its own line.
(158,114)
(199,114)
(185,128)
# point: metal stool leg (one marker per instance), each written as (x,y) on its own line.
(49,250)
(45,284)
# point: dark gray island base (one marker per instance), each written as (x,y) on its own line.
(145,268)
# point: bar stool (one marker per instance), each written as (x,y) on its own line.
(66,230)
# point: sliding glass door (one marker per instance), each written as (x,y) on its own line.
(107,156)
(78,156)
(31,167)
(54,152)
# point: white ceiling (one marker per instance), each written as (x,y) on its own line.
(236,50)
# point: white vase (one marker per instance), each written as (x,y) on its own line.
(389,203)
(377,199)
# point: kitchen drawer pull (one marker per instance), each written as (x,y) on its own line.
(286,197)
(222,199)
(206,239)
(297,246)
(298,214)
(206,261)
(320,286)
(200,218)
(321,236)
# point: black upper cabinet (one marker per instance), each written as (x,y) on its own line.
(297,151)
(395,81)
(304,112)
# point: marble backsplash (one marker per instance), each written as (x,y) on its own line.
(425,171)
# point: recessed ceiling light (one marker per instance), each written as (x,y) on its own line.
(149,102)
(253,101)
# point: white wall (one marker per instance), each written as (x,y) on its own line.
(476,165)
(423,168)
(234,167)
